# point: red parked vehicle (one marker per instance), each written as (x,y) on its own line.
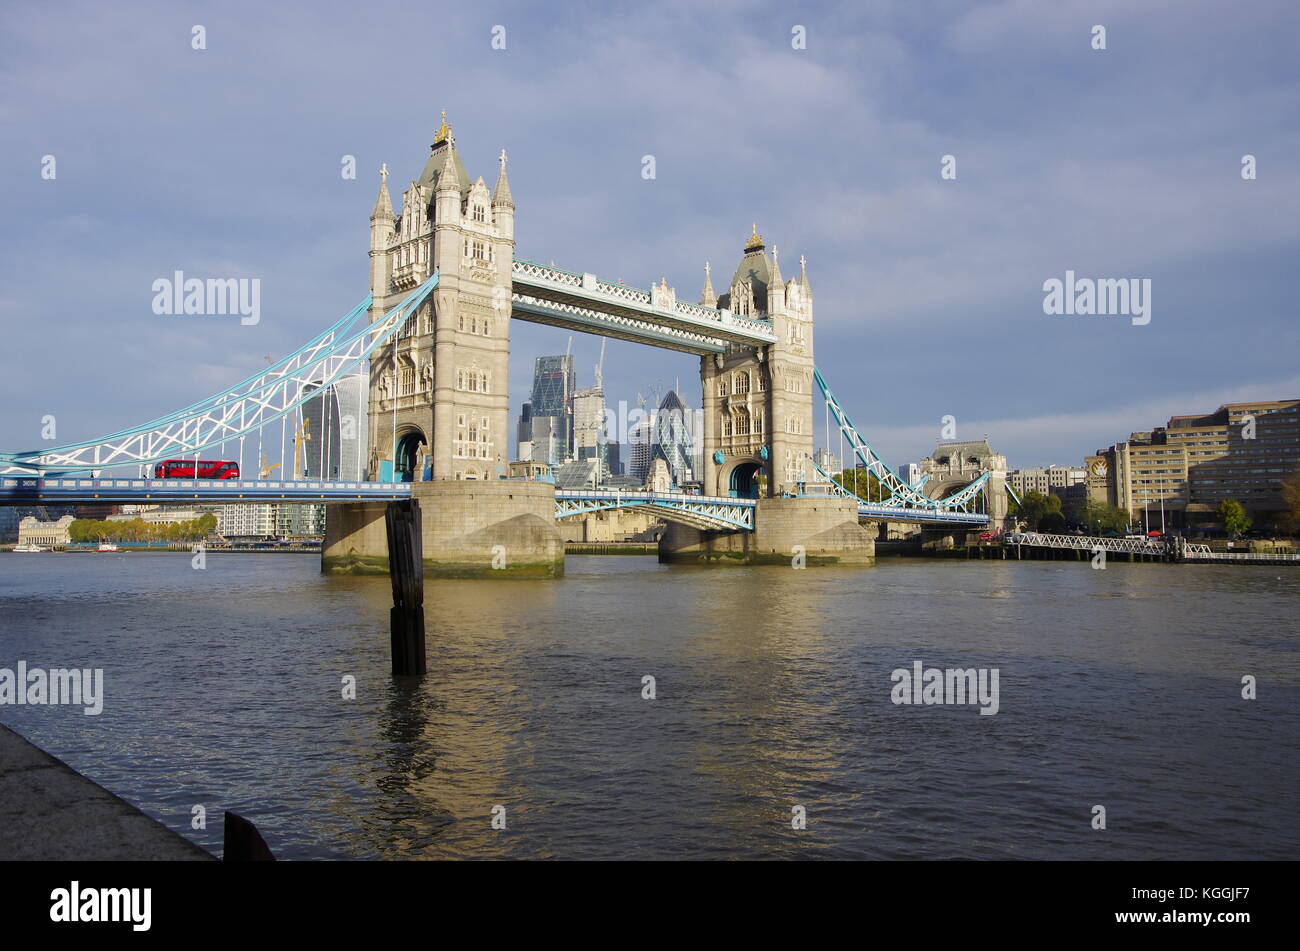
(184,469)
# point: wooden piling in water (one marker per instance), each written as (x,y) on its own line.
(406,569)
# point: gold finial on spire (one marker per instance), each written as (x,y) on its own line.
(444,130)
(755,240)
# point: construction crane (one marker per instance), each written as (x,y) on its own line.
(267,466)
(301,436)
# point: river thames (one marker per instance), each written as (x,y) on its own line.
(224,688)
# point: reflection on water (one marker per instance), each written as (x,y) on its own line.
(225,688)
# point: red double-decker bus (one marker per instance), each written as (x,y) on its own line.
(184,469)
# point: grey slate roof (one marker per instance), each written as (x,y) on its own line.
(755,267)
(433,170)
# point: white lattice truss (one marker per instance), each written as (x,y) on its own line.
(276,392)
(619,326)
(699,511)
(1203,553)
(660,311)
(1131,546)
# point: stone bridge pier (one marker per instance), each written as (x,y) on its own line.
(790,532)
(468,530)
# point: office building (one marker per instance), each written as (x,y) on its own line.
(1181,472)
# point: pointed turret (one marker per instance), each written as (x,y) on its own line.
(501,194)
(775,287)
(382,229)
(384,203)
(447,196)
(503,204)
(449,178)
(707,297)
(803,276)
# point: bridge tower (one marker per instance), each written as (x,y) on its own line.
(439,399)
(758,400)
(439,403)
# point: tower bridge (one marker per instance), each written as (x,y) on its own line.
(433,339)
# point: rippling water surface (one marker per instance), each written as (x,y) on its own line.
(1117,687)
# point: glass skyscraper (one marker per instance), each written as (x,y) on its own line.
(554,383)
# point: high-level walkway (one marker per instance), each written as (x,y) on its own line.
(549,295)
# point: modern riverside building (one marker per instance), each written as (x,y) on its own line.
(910,472)
(524,434)
(249,520)
(1045,478)
(639,440)
(337,421)
(1183,471)
(673,439)
(554,382)
(827,460)
(589,428)
(161,515)
(270,520)
(321,452)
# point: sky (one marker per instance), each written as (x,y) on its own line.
(1123,162)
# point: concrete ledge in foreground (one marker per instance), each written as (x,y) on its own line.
(50,811)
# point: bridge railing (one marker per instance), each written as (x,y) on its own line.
(634,494)
(50,490)
(906,513)
(1141,546)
